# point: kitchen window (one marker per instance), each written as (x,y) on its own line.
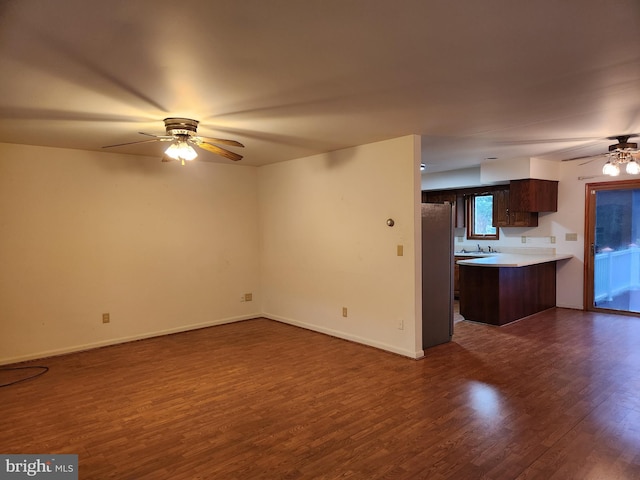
(480,217)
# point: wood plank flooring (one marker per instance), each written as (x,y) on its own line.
(554,396)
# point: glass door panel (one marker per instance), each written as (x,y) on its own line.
(616,250)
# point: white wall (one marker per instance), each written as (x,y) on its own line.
(464,177)
(160,247)
(492,173)
(325,243)
(500,171)
(570,219)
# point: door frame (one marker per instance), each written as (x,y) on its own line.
(589,239)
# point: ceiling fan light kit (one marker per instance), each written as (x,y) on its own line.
(622,153)
(611,169)
(181,150)
(633,168)
(182,133)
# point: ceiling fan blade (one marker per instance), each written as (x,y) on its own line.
(223,141)
(548,140)
(584,163)
(130,143)
(584,157)
(162,138)
(220,151)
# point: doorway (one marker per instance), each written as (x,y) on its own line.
(612,247)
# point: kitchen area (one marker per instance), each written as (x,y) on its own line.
(495,283)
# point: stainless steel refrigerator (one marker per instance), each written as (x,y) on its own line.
(437,273)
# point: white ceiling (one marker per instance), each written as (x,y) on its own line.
(290,78)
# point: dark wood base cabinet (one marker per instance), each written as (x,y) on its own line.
(500,295)
(456,274)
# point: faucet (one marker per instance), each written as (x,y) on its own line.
(479,248)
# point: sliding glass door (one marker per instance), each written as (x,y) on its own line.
(613,247)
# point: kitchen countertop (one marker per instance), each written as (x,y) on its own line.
(512,259)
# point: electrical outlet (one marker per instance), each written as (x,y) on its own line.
(105,318)
(344,311)
(523,239)
(400,250)
(242,298)
(400,324)
(248,297)
(552,239)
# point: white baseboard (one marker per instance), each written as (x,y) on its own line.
(115,341)
(346,336)
(572,307)
(185,328)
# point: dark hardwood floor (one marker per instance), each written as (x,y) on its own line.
(554,396)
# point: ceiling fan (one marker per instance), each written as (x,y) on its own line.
(182,133)
(623,152)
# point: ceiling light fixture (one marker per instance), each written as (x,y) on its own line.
(617,158)
(611,169)
(632,167)
(622,153)
(182,133)
(181,150)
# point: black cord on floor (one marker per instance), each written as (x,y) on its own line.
(42,371)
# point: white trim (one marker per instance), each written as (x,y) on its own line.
(116,341)
(572,307)
(346,336)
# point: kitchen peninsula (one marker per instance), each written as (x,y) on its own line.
(506,287)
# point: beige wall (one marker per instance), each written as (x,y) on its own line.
(160,247)
(164,248)
(325,243)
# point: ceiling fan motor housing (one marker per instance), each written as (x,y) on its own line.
(181,126)
(623,144)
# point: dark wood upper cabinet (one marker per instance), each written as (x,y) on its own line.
(514,205)
(533,195)
(438,196)
(505,216)
(501,208)
(460,217)
(454,198)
